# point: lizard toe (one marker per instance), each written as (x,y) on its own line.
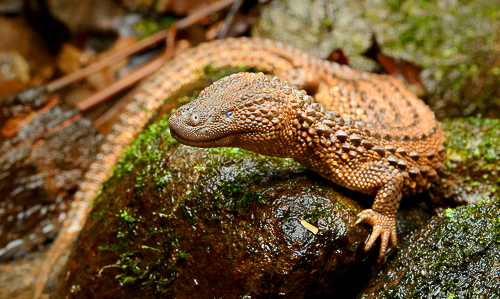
(383,227)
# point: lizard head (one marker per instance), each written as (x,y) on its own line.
(243,110)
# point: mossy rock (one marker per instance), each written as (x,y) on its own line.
(454,42)
(456,256)
(177,221)
(472,171)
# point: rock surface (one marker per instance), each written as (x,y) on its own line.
(44,149)
(472,170)
(455,256)
(183,222)
(180,221)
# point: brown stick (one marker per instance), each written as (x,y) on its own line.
(82,73)
(137,47)
(197,15)
(134,77)
(115,109)
(229,18)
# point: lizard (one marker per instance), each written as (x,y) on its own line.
(288,63)
(362,131)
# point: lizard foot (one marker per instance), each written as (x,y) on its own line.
(383,226)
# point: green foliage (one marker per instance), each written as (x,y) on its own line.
(148,26)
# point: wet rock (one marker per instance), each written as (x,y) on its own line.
(44,149)
(177,221)
(455,256)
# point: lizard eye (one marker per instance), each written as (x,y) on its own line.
(228,114)
(195,118)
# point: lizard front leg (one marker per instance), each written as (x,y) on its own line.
(382,215)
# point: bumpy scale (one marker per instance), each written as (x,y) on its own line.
(379,140)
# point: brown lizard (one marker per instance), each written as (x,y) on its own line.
(364,131)
(396,128)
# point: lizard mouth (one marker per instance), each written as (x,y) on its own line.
(223,141)
(205,137)
(209,142)
(180,132)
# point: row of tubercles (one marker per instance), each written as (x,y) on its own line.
(312,126)
(374,128)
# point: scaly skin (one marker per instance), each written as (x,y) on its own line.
(376,138)
(333,85)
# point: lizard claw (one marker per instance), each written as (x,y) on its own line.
(383,226)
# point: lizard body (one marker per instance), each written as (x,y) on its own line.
(364,131)
(391,119)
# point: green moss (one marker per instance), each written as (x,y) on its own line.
(478,221)
(319,212)
(473,156)
(454,42)
(327,22)
(148,26)
(421,26)
(142,151)
(457,255)
(475,140)
(141,163)
(242,186)
(128,230)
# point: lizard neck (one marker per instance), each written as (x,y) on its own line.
(309,134)
(320,135)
